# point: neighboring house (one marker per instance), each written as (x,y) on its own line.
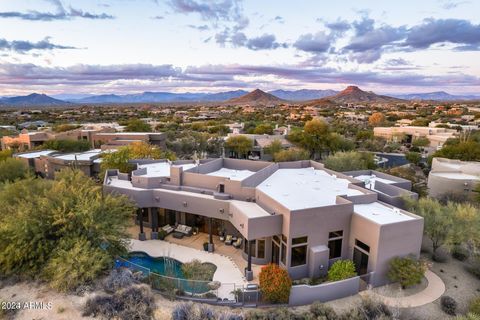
(27,140)
(46,163)
(298,215)
(260,143)
(453,177)
(114,140)
(390,189)
(436,136)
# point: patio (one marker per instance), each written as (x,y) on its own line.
(197,241)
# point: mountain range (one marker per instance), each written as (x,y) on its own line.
(350,95)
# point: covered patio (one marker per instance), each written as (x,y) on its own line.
(196,241)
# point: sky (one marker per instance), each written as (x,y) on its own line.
(129,46)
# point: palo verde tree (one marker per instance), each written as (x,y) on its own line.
(241,145)
(64,231)
(137,150)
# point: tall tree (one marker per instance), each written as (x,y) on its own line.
(241,145)
(45,224)
(137,125)
(316,134)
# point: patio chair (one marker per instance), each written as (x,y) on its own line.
(228,240)
(186,230)
(237,244)
(168,228)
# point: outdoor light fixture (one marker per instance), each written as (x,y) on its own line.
(242,225)
(184,203)
(221,210)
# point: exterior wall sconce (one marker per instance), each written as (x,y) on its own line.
(185,204)
(242,225)
(157,199)
(221,210)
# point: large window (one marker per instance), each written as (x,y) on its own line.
(362,245)
(261,249)
(284,250)
(335,240)
(299,251)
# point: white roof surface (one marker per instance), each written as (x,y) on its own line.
(232,174)
(455,175)
(381,213)
(371,179)
(161,169)
(84,156)
(305,188)
(35,154)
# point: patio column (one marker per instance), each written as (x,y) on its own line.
(210,236)
(154,215)
(248,270)
(141,235)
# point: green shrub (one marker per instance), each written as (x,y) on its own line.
(196,270)
(12,169)
(67,145)
(469,316)
(449,305)
(408,271)
(460,253)
(341,269)
(275,283)
(474,305)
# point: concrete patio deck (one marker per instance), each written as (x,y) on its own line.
(227,272)
(196,242)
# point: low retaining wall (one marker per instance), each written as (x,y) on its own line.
(305,294)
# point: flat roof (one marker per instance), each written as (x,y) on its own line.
(303,188)
(83,156)
(455,175)
(250,209)
(128,133)
(34,154)
(232,174)
(370,180)
(380,213)
(162,169)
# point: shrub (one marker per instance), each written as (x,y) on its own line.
(12,169)
(440,256)
(183,311)
(407,271)
(130,303)
(469,316)
(118,278)
(322,311)
(449,305)
(162,234)
(206,313)
(374,309)
(460,253)
(474,306)
(275,283)
(474,266)
(341,269)
(196,270)
(67,145)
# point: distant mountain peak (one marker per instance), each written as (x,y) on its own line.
(257,96)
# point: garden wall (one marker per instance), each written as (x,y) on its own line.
(305,294)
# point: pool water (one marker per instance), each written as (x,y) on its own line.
(165,266)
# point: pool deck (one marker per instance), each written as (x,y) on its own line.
(227,271)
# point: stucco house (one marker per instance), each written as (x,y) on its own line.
(296,214)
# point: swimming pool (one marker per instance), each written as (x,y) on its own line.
(169,271)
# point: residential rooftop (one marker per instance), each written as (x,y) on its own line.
(304,188)
(381,213)
(232,174)
(161,169)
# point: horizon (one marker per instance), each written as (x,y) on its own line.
(178,46)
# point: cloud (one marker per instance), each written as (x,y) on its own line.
(264,42)
(22,46)
(61,14)
(200,28)
(96,78)
(158,17)
(227,10)
(435,31)
(314,43)
(452,4)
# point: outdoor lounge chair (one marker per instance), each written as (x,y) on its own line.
(228,240)
(167,228)
(237,244)
(186,230)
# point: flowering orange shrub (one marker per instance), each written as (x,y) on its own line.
(275,283)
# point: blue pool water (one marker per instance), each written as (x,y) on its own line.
(163,266)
